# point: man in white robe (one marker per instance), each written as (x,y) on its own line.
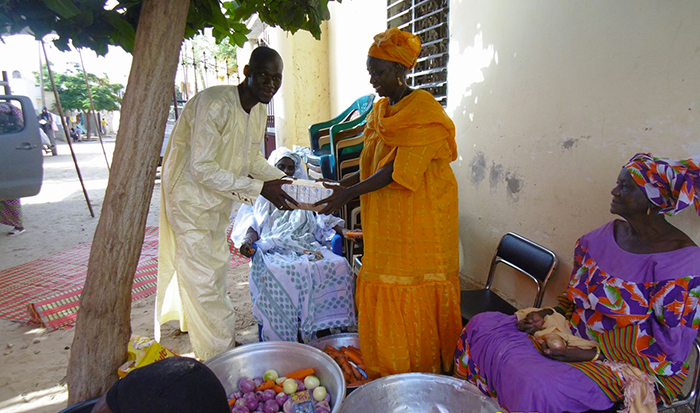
(212,151)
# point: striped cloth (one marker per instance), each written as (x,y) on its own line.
(11,212)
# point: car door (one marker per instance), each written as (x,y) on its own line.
(21,157)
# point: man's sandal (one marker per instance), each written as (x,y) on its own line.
(16,232)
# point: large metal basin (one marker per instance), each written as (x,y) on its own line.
(253,360)
(418,393)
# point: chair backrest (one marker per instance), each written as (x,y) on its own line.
(318,132)
(528,257)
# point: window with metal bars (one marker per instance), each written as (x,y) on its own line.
(427,19)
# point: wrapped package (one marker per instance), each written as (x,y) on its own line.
(306,193)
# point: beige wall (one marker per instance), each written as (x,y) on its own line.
(351,29)
(304,97)
(549,98)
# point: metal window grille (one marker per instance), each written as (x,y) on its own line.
(427,19)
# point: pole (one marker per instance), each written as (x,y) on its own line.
(6,83)
(65,129)
(92,106)
(41,79)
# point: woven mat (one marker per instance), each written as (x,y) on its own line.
(47,291)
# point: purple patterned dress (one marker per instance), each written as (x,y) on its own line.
(640,308)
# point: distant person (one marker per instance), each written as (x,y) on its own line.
(212,151)
(104,127)
(74,134)
(48,126)
(11,214)
(175,384)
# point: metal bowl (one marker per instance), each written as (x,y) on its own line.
(418,393)
(338,341)
(253,360)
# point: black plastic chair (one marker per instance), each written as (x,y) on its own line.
(521,254)
(82,407)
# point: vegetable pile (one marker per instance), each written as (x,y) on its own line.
(350,361)
(272,393)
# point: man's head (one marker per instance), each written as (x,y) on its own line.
(263,74)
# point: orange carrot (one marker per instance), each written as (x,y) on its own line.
(277,389)
(300,374)
(353,356)
(267,385)
(358,383)
(231,402)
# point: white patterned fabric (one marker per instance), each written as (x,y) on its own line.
(292,290)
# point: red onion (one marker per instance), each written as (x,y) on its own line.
(246,385)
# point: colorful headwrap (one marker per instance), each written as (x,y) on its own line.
(396,46)
(671,185)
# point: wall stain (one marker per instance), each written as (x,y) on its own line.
(571,142)
(496,174)
(478,168)
(513,183)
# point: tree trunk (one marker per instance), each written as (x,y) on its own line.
(103,326)
(86,116)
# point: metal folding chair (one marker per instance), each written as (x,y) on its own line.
(521,254)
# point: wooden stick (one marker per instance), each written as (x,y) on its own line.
(94,112)
(65,129)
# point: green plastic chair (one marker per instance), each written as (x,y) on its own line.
(321,134)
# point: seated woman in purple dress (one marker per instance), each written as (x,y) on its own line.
(634,292)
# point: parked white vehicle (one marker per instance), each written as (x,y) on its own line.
(21,157)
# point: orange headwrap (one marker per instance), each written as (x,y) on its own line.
(396,46)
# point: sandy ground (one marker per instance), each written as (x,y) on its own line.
(34,360)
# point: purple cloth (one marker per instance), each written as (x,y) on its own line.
(527,381)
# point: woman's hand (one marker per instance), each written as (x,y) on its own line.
(337,200)
(569,354)
(534,321)
(247,249)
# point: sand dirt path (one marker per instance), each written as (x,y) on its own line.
(34,360)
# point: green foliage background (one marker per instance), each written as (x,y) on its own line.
(88,24)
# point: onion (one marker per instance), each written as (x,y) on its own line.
(249,396)
(320,393)
(287,407)
(311,382)
(281,398)
(290,386)
(300,385)
(271,406)
(270,375)
(268,394)
(236,395)
(258,381)
(246,385)
(241,402)
(252,404)
(280,380)
(240,409)
(327,398)
(259,395)
(322,409)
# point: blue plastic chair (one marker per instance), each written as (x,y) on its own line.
(321,134)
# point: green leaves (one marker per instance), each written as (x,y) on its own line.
(86,23)
(73,92)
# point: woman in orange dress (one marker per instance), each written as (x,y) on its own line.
(408,289)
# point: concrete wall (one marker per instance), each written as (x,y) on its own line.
(350,32)
(549,98)
(304,97)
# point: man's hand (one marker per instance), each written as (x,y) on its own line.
(273,192)
(247,249)
(337,200)
(534,321)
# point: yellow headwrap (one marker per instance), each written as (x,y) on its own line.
(396,46)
